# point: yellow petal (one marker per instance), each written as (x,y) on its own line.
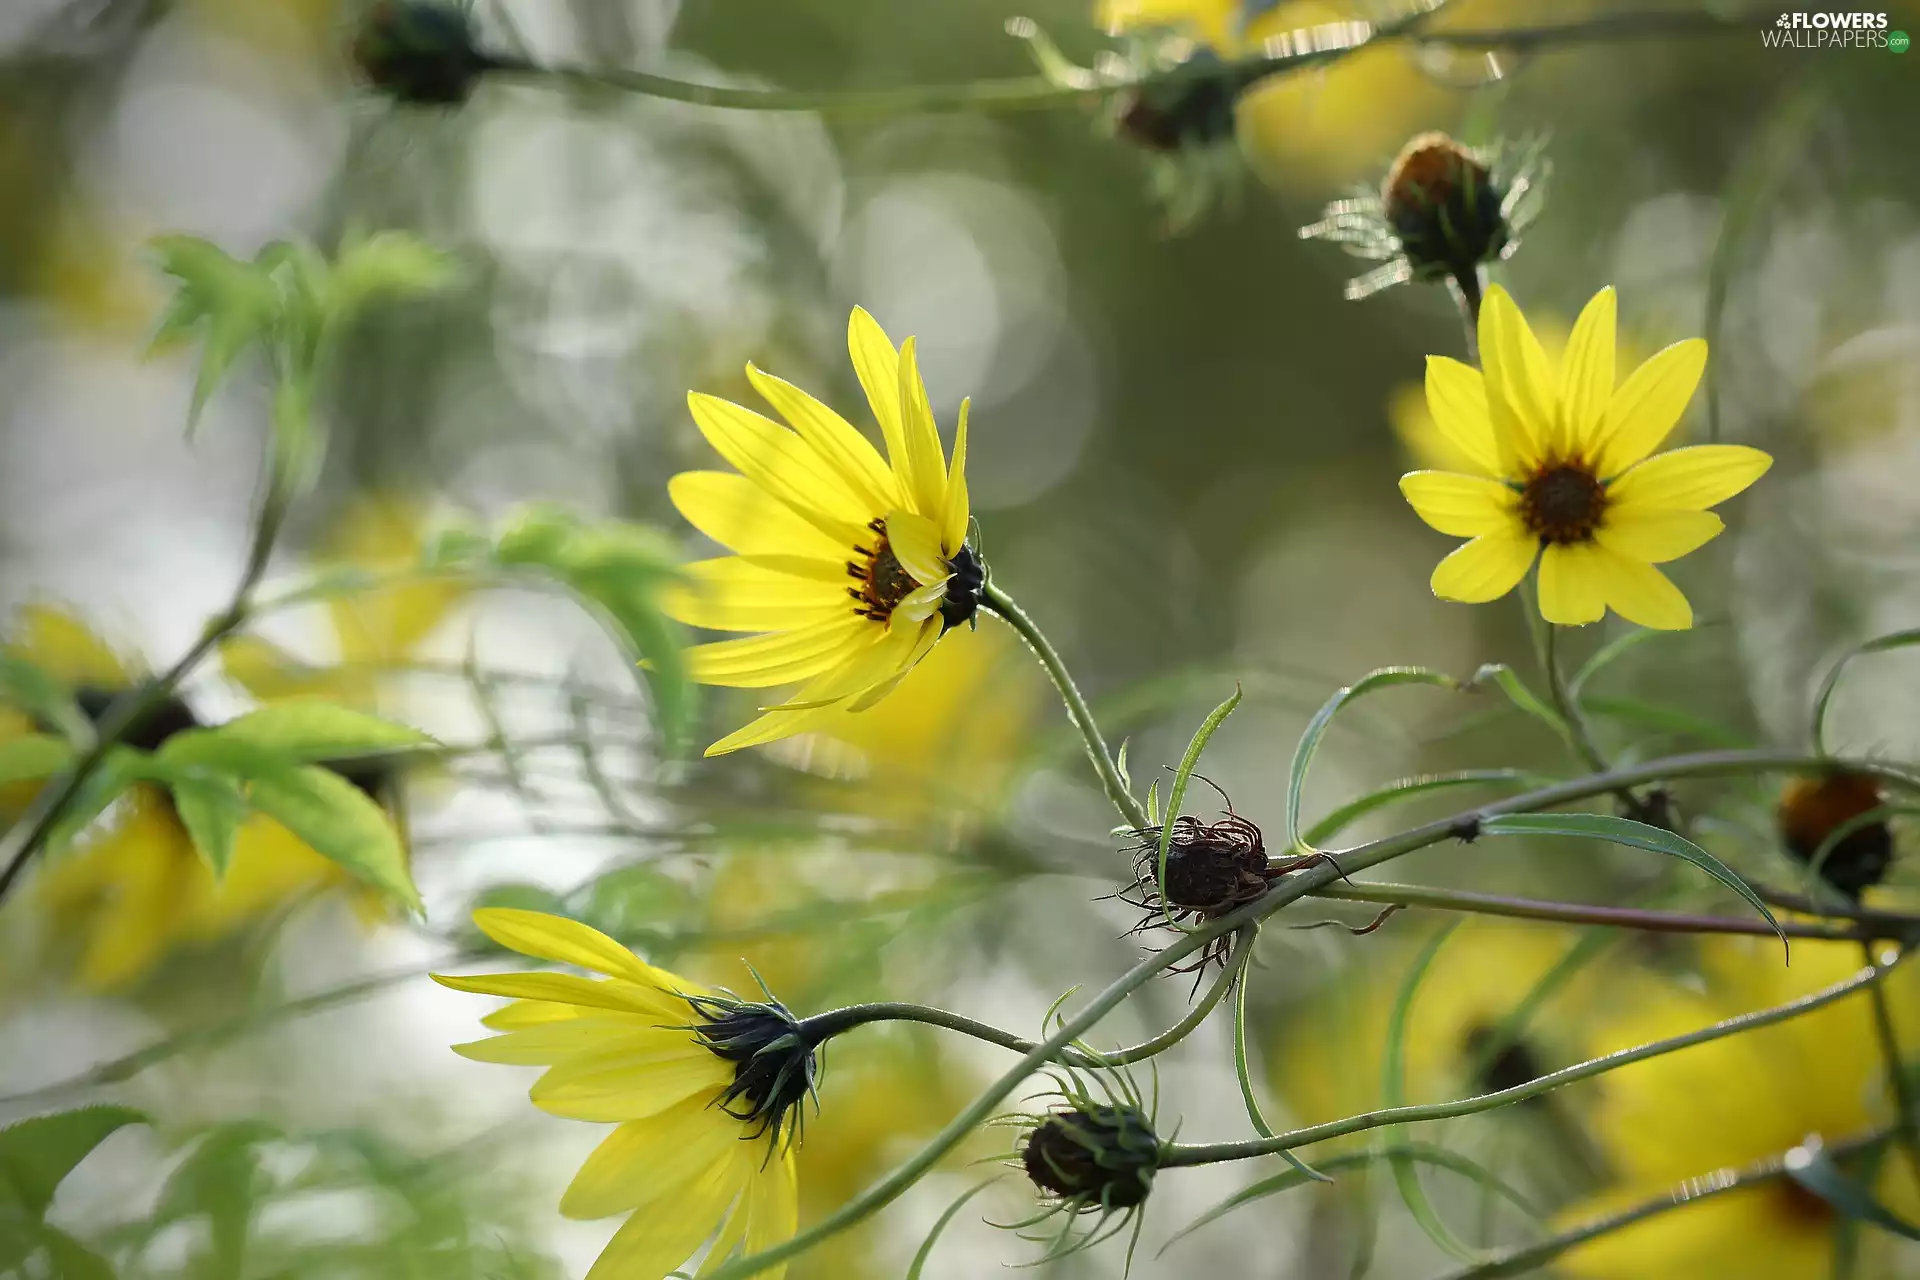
(617,1084)
(550,1042)
(1648,405)
(1695,478)
(1486,568)
(660,1157)
(760,662)
(1586,373)
(783,464)
(918,605)
(1642,594)
(773,1207)
(1521,392)
(1457,404)
(928,487)
(953,524)
(926,635)
(770,727)
(522,1014)
(65,648)
(1656,534)
(877,364)
(271,674)
(741,516)
(653,1243)
(916,545)
(1572,585)
(815,701)
(836,440)
(568,988)
(734,594)
(549,937)
(1464,506)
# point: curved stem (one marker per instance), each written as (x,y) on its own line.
(1014,616)
(1215,1153)
(1897,1083)
(1648,921)
(823,1026)
(30,832)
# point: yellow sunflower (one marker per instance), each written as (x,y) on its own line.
(133,889)
(1682,1116)
(1560,470)
(703,1087)
(852,565)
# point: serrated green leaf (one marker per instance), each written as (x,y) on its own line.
(37,1154)
(228,302)
(384,265)
(312,729)
(1637,835)
(33,756)
(1316,729)
(340,822)
(1879,644)
(212,809)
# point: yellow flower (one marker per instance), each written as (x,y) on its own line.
(134,889)
(1733,1101)
(696,1082)
(1560,468)
(853,567)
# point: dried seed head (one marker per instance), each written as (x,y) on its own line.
(1212,868)
(420,52)
(1813,811)
(1093,1156)
(1442,202)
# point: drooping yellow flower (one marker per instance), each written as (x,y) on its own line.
(1682,1116)
(697,1082)
(1560,469)
(134,889)
(852,565)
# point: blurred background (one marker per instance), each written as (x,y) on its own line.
(1183,456)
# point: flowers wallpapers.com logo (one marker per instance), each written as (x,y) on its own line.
(1801,30)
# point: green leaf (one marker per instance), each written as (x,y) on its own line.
(339,821)
(212,809)
(1414,1152)
(219,1180)
(1407,788)
(26,686)
(1606,655)
(1879,644)
(1636,835)
(118,770)
(1385,678)
(947,1215)
(1814,1169)
(229,303)
(310,730)
(71,1259)
(1243,1070)
(1667,719)
(36,1155)
(1507,681)
(33,756)
(386,264)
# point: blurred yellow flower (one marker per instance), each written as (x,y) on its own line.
(1560,470)
(132,889)
(853,566)
(1732,1101)
(700,1086)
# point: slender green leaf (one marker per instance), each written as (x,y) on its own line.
(212,808)
(1508,681)
(1637,835)
(925,1251)
(1393,1089)
(36,1155)
(385,264)
(33,756)
(1243,1070)
(1407,788)
(1606,655)
(1316,729)
(1662,718)
(1815,1170)
(340,822)
(1879,644)
(1177,795)
(308,730)
(1415,1152)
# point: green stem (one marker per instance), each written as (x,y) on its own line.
(1002,604)
(1531,1257)
(1215,1153)
(1896,1074)
(30,832)
(1409,895)
(823,1026)
(1545,635)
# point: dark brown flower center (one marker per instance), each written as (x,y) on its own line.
(1562,503)
(884,581)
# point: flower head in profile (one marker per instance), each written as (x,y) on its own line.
(1091,1157)
(1563,471)
(850,565)
(705,1088)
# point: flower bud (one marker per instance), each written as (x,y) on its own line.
(1442,202)
(774,1062)
(1093,1156)
(1180,114)
(1814,810)
(420,52)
